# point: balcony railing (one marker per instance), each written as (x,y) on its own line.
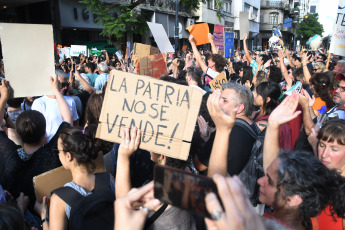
(272,3)
(168,5)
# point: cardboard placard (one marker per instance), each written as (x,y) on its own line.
(337,46)
(142,50)
(23,56)
(165,112)
(78,49)
(218,38)
(119,55)
(200,33)
(161,37)
(218,81)
(244,24)
(57,178)
(153,65)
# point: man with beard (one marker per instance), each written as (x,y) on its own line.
(49,107)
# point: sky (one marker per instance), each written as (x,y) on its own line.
(327,15)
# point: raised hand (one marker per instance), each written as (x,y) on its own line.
(222,121)
(127,216)
(238,212)
(210,37)
(130,142)
(191,39)
(284,112)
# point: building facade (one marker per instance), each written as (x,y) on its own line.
(273,13)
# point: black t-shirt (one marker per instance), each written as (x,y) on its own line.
(240,148)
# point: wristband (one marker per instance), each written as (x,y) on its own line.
(45,220)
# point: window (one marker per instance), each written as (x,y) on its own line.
(227,7)
(255,11)
(312,9)
(246,8)
(273,18)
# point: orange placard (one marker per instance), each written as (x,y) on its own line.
(184,47)
(200,33)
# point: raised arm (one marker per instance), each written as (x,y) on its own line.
(214,48)
(197,55)
(257,71)
(5,94)
(224,124)
(306,72)
(246,52)
(106,56)
(284,112)
(86,85)
(308,114)
(284,70)
(65,111)
(128,146)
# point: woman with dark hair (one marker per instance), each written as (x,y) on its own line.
(321,85)
(93,109)
(266,97)
(246,75)
(77,151)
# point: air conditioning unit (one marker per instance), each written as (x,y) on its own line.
(190,21)
(252,17)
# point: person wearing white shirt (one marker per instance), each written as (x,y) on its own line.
(193,79)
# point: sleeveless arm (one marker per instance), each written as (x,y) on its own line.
(57,215)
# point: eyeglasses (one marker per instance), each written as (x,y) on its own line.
(342,89)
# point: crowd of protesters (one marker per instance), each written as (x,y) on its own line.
(292,102)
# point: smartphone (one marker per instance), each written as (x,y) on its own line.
(183,189)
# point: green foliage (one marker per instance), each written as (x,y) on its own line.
(308,28)
(129,19)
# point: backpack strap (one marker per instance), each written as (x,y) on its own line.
(102,181)
(68,194)
(155,216)
(248,128)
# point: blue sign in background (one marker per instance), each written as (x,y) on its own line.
(228,44)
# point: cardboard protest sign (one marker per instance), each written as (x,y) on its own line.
(228,42)
(337,46)
(153,65)
(142,50)
(165,112)
(78,49)
(23,56)
(200,33)
(128,50)
(244,24)
(218,81)
(161,37)
(57,178)
(218,38)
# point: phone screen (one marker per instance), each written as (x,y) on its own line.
(183,189)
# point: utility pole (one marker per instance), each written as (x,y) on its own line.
(176,29)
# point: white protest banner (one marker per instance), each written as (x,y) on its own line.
(244,24)
(119,55)
(165,112)
(337,46)
(78,49)
(24,55)
(66,51)
(161,37)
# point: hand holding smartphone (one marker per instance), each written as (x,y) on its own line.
(183,189)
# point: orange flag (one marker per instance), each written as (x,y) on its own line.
(200,33)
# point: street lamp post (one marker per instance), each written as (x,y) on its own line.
(176,29)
